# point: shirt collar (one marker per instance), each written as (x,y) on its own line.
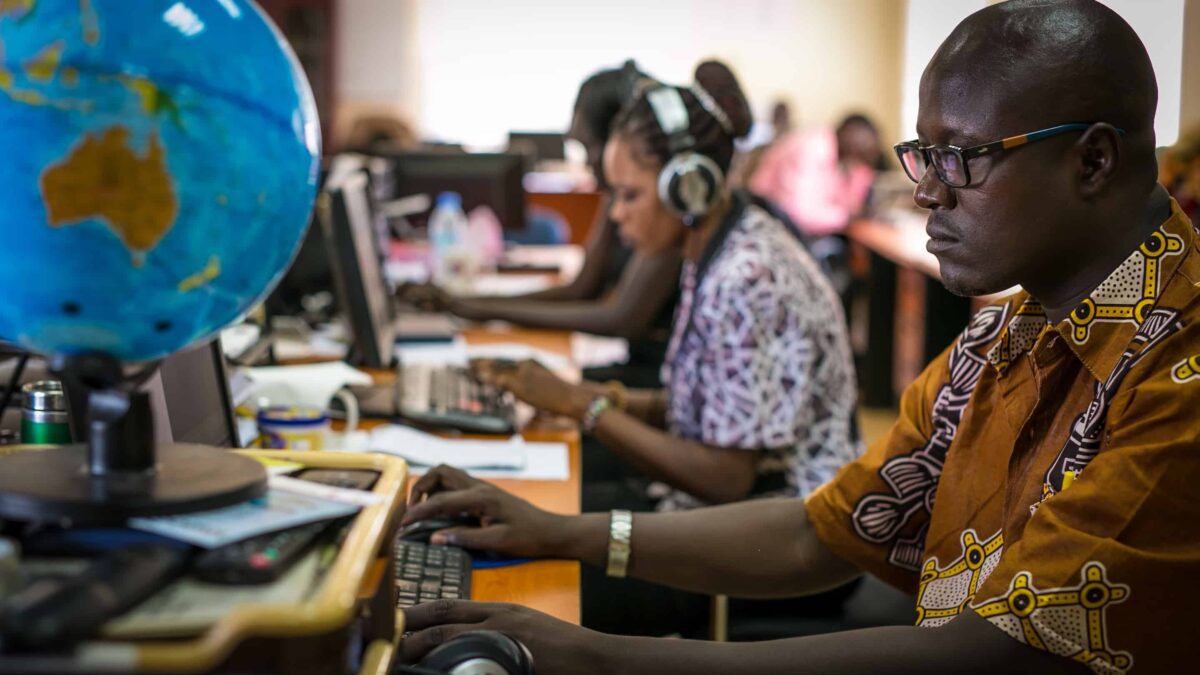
(1100,328)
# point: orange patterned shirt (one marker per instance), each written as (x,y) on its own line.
(1048,477)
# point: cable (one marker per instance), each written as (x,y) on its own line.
(13,382)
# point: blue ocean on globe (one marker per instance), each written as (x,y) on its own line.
(160,162)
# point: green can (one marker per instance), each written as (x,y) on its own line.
(44,414)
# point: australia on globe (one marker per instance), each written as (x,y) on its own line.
(160,167)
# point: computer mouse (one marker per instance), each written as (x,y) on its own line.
(420,531)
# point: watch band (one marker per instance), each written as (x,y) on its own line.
(620,534)
(591,416)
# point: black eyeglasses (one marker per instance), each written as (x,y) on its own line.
(950,161)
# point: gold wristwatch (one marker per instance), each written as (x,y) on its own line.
(620,534)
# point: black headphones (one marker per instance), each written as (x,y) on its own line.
(479,652)
(631,79)
(690,183)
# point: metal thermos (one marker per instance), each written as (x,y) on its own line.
(44,414)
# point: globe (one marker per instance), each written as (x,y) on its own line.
(160,164)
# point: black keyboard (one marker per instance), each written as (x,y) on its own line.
(425,573)
(451,397)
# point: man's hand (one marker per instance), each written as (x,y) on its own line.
(556,646)
(508,525)
(534,384)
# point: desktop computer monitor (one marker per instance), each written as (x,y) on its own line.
(344,212)
(311,273)
(190,400)
(491,179)
(195,389)
(538,146)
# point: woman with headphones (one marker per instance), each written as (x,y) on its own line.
(759,393)
(618,292)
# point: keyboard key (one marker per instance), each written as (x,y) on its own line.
(425,573)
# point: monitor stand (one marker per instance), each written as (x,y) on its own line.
(119,472)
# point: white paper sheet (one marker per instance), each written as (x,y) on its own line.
(511,458)
(437,353)
(597,351)
(518,352)
(508,285)
(280,509)
(459,353)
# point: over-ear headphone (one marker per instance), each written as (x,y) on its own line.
(690,183)
(480,652)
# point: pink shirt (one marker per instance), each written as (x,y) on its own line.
(800,174)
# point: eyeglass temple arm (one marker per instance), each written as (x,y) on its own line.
(1022,139)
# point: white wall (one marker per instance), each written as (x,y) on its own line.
(377,60)
(1159,23)
(1189,121)
(927,23)
(483,67)
(471,70)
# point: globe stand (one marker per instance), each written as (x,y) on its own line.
(119,472)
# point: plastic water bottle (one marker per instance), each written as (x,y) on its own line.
(448,236)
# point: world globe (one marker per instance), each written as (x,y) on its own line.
(160,165)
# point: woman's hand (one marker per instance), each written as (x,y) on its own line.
(508,525)
(556,646)
(534,384)
(425,297)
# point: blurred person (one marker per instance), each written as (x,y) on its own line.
(820,177)
(751,149)
(1179,172)
(618,292)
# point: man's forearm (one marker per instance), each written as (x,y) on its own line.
(762,548)
(967,645)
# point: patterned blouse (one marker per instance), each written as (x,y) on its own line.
(762,362)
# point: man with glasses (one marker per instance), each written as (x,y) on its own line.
(1037,494)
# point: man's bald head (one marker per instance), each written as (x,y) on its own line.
(1019,67)
(1053,61)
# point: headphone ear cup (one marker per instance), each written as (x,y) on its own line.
(480,652)
(689,185)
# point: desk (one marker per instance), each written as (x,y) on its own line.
(550,586)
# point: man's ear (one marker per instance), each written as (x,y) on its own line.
(1099,153)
